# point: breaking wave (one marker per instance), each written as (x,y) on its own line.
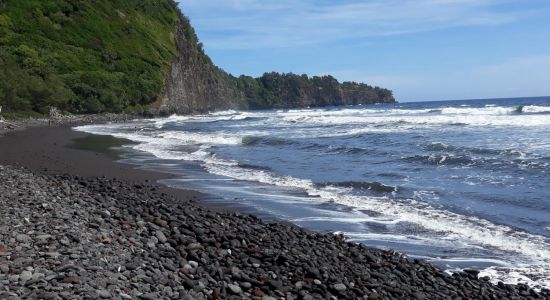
(420,154)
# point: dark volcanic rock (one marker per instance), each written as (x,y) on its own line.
(150,246)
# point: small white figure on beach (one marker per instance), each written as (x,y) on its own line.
(54,116)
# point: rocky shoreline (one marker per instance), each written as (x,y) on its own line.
(67,237)
(7,126)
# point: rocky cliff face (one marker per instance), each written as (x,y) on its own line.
(130,55)
(195,85)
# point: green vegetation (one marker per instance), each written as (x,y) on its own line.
(291,90)
(84,56)
(97,56)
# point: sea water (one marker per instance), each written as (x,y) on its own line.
(462,184)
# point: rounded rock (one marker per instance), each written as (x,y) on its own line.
(235,289)
(340,287)
(105,294)
(25,276)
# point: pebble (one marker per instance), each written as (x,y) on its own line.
(4,268)
(235,289)
(161,237)
(194,246)
(149,296)
(23,238)
(340,287)
(104,294)
(374,296)
(53,254)
(246,285)
(176,249)
(25,276)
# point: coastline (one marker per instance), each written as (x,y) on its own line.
(351,270)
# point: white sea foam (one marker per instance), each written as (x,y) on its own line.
(446,242)
(486,111)
(536,109)
(190,138)
(531,251)
(487,116)
(536,276)
(471,228)
(349,219)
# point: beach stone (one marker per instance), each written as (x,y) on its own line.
(235,289)
(374,296)
(340,287)
(194,246)
(53,254)
(23,238)
(152,242)
(105,294)
(4,268)
(246,285)
(37,276)
(161,237)
(44,237)
(106,239)
(71,280)
(149,296)
(267,260)
(25,276)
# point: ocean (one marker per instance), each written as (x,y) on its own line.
(462,184)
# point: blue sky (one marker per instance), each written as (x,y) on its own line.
(421,49)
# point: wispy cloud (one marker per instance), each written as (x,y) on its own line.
(282,23)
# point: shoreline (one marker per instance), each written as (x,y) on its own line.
(44,151)
(55,151)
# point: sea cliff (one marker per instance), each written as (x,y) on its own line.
(136,56)
(195,84)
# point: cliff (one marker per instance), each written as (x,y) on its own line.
(195,85)
(133,56)
(274,90)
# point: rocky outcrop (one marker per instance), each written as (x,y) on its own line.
(195,85)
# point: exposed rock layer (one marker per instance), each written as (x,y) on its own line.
(195,85)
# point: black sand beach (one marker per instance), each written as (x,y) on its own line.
(75,224)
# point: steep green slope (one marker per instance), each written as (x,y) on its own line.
(84,56)
(88,56)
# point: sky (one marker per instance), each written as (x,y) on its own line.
(421,49)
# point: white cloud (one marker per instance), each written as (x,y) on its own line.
(282,23)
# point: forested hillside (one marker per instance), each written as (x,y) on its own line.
(133,55)
(291,90)
(84,56)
